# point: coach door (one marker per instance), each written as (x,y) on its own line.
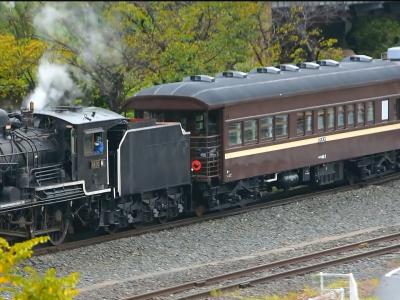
(93,163)
(205,145)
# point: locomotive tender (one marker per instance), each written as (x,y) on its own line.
(204,143)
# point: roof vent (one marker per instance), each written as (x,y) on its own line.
(328,63)
(361,58)
(393,53)
(289,67)
(308,65)
(202,78)
(271,70)
(233,74)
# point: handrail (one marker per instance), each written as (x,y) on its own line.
(207,150)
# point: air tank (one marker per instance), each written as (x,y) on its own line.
(288,179)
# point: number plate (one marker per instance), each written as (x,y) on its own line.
(96,163)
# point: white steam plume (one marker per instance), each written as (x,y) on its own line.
(86,33)
(9,4)
(55,87)
(79,26)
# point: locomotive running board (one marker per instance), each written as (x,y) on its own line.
(24,204)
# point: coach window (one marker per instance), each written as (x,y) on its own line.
(370,112)
(330,118)
(250,132)
(235,134)
(266,128)
(321,120)
(350,115)
(300,123)
(309,122)
(340,117)
(199,124)
(360,114)
(385,110)
(281,126)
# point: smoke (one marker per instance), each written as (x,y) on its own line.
(55,87)
(81,27)
(9,4)
(86,33)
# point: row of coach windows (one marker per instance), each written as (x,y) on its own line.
(270,128)
(338,117)
(327,119)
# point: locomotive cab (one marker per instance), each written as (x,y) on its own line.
(82,135)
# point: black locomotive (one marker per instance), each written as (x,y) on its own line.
(89,165)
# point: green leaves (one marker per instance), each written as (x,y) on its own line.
(126,46)
(374,35)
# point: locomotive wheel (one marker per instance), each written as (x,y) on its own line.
(58,220)
(199,211)
(162,220)
(111,229)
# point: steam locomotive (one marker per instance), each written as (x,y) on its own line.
(91,166)
(203,144)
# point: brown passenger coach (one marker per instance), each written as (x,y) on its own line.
(316,123)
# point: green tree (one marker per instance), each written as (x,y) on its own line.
(153,42)
(26,283)
(125,46)
(293,35)
(16,18)
(374,35)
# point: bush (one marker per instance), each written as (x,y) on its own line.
(26,283)
(373,35)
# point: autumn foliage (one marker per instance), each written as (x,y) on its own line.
(23,283)
(19,59)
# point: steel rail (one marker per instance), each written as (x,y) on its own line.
(282,263)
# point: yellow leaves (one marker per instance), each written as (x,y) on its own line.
(27,283)
(18,60)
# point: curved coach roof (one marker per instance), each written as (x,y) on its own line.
(80,115)
(259,86)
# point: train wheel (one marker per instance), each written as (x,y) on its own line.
(199,211)
(60,223)
(162,220)
(111,229)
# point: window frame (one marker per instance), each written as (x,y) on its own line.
(254,141)
(285,136)
(347,115)
(367,122)
(323,129)
(358,124)
(240,123)
(272,138)
(327,128)
(86,146)
(303,115)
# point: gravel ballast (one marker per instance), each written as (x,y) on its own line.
(119,268)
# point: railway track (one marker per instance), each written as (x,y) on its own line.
(278,269)
(289,197)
